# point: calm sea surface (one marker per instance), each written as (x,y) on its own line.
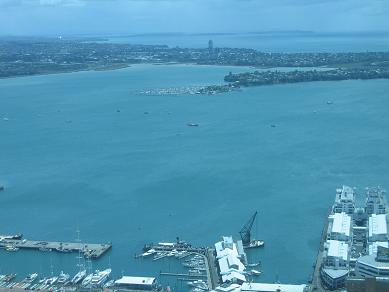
(69,160)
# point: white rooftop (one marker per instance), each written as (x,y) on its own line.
(264,287)
(341,223)
(377,224)
(231,268)
(337,249)
(128,280)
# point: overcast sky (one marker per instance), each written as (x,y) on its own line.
(65,17)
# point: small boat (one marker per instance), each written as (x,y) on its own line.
(13,237)
(254,264)
(51,281)
(255,272)
(192,124)
(11,248)
(200,284)
(30,278)
(64,250)
(9,277)
(330,102)
(255,243)
(149,252)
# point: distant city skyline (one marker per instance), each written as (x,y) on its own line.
(70,17)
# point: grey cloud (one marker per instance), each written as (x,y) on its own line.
(142,16)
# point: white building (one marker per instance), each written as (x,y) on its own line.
(344,200)
(336,255)
(370,266)
(230,266)
(136,283)
(339,227)
(378,228)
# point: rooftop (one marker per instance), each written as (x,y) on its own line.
(370,260)
(341,223)
(337,249)
(336,273)
(228,258)
(128,280)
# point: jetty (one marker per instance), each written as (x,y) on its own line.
(89,250)
(315,280)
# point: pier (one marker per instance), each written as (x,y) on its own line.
(89,250)
(212,274)
(316,281)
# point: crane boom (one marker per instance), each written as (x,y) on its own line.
(245,232)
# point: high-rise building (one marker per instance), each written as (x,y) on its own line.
(210,47)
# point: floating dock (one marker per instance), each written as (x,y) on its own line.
(89,250)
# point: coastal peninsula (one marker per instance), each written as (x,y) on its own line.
(24,57)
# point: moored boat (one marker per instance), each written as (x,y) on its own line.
(100,277)
(79,277)
(63,278)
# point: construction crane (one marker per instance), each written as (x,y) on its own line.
(245,234)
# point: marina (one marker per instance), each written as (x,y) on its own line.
(354,244)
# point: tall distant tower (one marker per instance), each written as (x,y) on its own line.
(210,47)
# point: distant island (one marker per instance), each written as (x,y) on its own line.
(26,57)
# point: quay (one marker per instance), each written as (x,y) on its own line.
(316,284)
(89,250)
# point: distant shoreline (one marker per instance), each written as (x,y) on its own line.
(44,57)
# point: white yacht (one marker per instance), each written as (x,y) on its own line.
(100,277)
(79,276)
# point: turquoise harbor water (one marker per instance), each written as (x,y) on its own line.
(69,160)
